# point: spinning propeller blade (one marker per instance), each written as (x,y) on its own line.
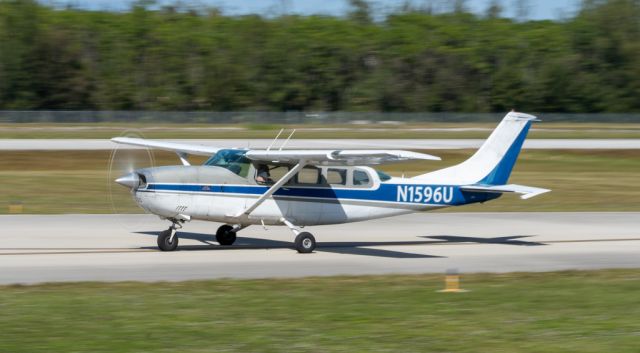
(122,179)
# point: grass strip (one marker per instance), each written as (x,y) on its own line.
(594,311)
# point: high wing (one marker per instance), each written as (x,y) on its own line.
(312,157)
(168,146)
(527,192)
(338,157)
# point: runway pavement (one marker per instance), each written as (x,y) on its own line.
(415,144)
(52,248)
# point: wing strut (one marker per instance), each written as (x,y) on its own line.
(273,188)
(183,158)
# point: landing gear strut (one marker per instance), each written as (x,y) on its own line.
(168,239)
(305,242)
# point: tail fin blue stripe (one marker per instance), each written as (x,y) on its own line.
(500,174)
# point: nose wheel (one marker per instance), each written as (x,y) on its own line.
(168,240)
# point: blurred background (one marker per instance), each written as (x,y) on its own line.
(562,56)
(333,69)
(76,73)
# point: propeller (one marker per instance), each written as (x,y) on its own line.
(123,179)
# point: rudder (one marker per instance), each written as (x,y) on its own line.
(493,162)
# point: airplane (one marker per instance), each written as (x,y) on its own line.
(299,188)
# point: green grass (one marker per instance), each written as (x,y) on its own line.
(77,182)
(312,131)
(560,312)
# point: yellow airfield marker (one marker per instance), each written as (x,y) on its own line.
(452,282)
(15,207)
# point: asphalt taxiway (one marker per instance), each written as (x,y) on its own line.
(54,248)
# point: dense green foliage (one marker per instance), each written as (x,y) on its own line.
(176,58)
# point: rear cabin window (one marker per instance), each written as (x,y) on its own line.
(336,176)
(360,178)
(308,175)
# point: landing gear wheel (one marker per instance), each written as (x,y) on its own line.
(225,235)
(305,243)
(164,241)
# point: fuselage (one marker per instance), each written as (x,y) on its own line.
(218,194)
(242,187)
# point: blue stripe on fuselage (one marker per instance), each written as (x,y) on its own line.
(445,195)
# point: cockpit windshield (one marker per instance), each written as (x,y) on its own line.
(233,160)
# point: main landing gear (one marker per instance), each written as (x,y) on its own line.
(226,234)
(305,242)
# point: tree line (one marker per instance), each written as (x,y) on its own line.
(154,57)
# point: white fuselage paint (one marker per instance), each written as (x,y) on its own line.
(222,208)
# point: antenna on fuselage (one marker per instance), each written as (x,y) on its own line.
(275,139)
(287,140)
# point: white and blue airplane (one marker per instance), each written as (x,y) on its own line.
(298,188)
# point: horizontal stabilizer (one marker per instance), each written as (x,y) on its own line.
(526,191)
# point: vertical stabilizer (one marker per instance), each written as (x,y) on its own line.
(493,162)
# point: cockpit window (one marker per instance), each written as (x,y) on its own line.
(383,176)
(233,160)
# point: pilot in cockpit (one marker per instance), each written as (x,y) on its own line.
(263,176)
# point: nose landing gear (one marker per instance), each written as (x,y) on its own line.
(168,239)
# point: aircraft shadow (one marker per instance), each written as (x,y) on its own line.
(509,240)
(350,248)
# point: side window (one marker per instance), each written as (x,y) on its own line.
(308,175)
(269,174)
(360,178)
(336,176)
